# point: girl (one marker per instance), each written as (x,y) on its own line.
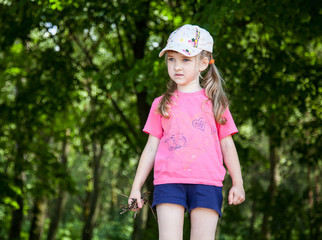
(190,135)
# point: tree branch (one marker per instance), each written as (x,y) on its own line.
(89,58)
(121,44)
(119,111)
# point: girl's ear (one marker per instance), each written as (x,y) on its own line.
(203,64)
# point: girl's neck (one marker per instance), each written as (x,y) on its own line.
(189,89)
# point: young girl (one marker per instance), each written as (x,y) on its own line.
(190,135)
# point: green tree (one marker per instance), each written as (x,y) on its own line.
(77,79)
(271,58)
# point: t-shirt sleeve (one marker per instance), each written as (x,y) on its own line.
(229,128)
(153,124)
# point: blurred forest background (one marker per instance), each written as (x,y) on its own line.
(77,78)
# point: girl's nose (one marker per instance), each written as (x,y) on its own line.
(177,66)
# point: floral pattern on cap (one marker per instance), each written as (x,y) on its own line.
(186,51)
(195,40)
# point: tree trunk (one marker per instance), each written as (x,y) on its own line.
(273,180)
(38,220)
(61,200)
(313,197)
(140,223)
(17,214)
(310,198)
(317,203)
(252,221)
(57,213)
(91,217)
(17,217)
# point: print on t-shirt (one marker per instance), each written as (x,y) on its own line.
(176,141)
(199,124)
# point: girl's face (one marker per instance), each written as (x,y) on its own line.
(185,71)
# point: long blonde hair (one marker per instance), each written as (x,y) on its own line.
(213,85)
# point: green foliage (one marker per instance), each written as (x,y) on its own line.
(81,74)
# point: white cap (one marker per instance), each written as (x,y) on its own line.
(189,40)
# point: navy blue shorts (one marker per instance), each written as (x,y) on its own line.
(189,195)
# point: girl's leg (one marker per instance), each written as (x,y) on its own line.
(170,221)
(203,224)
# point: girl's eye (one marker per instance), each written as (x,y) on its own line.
(170,59)
(186,60)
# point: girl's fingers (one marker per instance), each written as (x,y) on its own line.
(238,199)
(235,197)
(138,201)
(231,197)
(131,199)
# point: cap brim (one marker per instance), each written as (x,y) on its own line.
(193,51)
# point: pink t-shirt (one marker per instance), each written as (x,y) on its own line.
(189,149)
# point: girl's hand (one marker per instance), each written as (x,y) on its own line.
(136,194)
(236,195)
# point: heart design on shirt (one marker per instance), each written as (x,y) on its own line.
(199,124)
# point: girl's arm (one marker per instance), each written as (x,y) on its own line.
(237,192)
(145,166)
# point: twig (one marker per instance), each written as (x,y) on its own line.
(133,206)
